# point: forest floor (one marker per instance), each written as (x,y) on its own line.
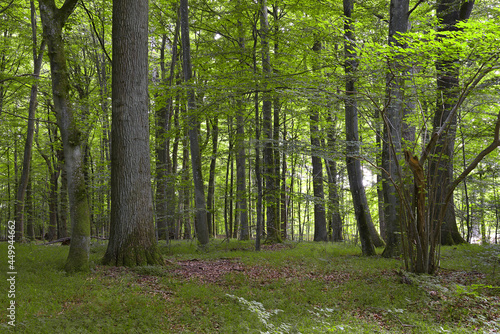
(229,288)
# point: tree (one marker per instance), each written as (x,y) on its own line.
(53,21)
(268,163)
(320,232)
(132,237)
(23,182)
(361,209)
(193,124)
(449,13)
(393,139)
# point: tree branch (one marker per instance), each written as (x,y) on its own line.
(473,82)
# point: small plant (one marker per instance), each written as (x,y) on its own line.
(263,315)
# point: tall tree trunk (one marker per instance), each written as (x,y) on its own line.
(164,204)
(269,168)
(23,182)
(258,175)
(450,12)
(320,231)
(361,208)
(53,20)
(199,192)
(132,238)
(393,132)
(241,186)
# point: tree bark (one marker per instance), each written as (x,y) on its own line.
(53,20)
(132,238)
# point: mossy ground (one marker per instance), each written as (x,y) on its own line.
(229,288)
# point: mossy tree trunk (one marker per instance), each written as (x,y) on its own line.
(53,20)
(132,237)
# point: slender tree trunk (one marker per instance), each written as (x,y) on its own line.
(258,175)
(23,182)
(335,218)
(466,193)
(241,201)
(320,231)
(269,168)
(132,239)
(241,186)
(211,179)
(165,205)
(194,143)
(361,208)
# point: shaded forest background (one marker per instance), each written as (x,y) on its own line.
(283,101)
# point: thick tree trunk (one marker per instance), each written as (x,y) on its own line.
(132,239)
(194,143)
(361,209)
(53,20)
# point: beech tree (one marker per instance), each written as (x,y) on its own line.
(361,209)
(53,20)
(193,123)
(397,106)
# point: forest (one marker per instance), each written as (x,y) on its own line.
(370,122)
(336,141)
